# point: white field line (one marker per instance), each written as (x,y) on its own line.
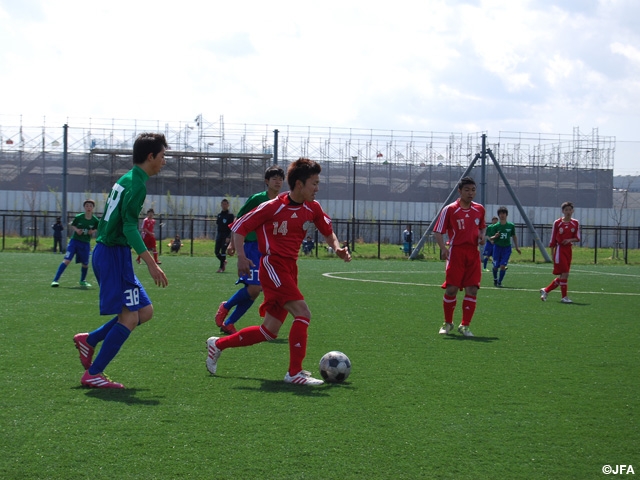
(348,277)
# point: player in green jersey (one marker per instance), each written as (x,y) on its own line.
(121,293)
(84,226)
(503,233)
(487,252)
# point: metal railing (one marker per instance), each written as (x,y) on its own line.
(34,228)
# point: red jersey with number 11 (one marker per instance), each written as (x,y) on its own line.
(281,226)
(462,225)
(563,231)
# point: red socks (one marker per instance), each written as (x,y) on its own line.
(468,308)
(245,337)
(251,335)
(297,344)
(553,285)
(449,305)
(563,288)
(558,282)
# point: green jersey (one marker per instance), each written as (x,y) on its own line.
(85,224)
(507,231)
(119,224)
(252,202)
(490,232)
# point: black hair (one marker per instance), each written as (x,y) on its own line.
(274,171)
(302,169)
(148,143)
(465,181)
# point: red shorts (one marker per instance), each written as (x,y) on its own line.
(279,280)
(562,259)
(150,242)
(463,267)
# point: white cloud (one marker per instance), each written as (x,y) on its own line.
(490,65)
(628,51)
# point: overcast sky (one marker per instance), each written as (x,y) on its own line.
(542,66)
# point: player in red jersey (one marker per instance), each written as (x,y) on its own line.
(281,224)
(463,222)
(566,232)
(148,236)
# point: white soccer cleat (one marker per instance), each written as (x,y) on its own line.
(543,295)
(213,355)
(566,300)
(464,330)
(302,378)
(446,328)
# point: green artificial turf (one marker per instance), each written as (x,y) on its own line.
(544,390)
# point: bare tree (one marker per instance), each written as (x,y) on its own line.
(619,213)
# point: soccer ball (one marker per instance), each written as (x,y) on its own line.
(335,367)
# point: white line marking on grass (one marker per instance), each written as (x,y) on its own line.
(549,268)
(336,275)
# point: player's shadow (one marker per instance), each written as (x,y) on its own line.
(472,339)
(122,395)
(279,387)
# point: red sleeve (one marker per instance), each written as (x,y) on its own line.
(552,241)
(252,220)
(441,222)
(321,220)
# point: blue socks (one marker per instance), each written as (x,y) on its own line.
(116,337)
(237,298)
(100,333)
(497,278)
(239,311)
(83,273)
(60,271)
(242,301)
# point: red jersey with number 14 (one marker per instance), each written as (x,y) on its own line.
(281,226)
(462,225)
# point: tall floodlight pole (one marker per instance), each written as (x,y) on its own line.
(65,144)
(352,245)
(275,146)
(198,121)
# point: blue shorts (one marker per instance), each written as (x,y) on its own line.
(501,255)
(82,251)
(119,286)
(488,249)
(253,254)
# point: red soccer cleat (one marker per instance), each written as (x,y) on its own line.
(98,381)
(86,350)
(228,329)
(221,314)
